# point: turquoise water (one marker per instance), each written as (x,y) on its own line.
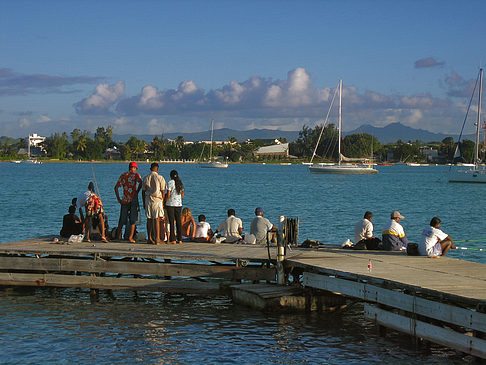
(37,326)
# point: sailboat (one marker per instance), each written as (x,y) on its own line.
(213,164)
(342,167)
(476,173)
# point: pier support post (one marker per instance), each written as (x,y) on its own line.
(280,259)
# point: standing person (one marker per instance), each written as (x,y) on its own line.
(260,226)
(232,227)
(153,192)
(94,210)
(129,207)
(434,242)
(394,238)
(363,234)
(173,204)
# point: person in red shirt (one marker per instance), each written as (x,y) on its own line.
(131,182)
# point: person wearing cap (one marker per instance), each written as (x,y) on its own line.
(394,238)
(434,242)
(363,234)
(153,193)
(261,226)
(131,182)
(232,227)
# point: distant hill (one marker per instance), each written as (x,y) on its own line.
(395,131)
(222,134)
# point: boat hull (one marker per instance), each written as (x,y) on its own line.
(468,176)
(343,170)
(214,165)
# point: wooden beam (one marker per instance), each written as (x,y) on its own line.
(443,336)
(133,267)
(428,308)
(112,283)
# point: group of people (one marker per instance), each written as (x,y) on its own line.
(162,203)
(433,241)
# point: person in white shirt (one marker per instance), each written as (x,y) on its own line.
(232,227)
(434,242)
(203,229)
(363,234)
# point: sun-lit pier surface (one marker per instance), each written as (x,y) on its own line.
(439,300)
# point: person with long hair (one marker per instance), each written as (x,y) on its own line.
(188,224)
(173,204)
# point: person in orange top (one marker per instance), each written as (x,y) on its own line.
(131,182)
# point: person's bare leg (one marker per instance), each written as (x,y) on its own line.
(157,232)
(446,245)
(102,228)
(162,229)
(132,232)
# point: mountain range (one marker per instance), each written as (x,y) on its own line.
(387,134)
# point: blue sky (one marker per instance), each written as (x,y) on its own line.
(152,67)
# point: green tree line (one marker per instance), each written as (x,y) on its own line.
(83,145)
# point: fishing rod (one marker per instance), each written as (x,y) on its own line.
(470,248)
(94,178)
(477,240)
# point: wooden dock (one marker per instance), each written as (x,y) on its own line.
(439,300)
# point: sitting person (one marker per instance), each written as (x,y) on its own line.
(71,224)
(231,228)
(363,234)
(94,210)
(203,229)
(434,242)
(261,227)
(188,224)
(393,235)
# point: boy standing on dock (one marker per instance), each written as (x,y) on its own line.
(130,209)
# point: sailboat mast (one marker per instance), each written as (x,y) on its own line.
(211,147)
(340,116)
(478,122)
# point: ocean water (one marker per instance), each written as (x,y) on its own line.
(39,326)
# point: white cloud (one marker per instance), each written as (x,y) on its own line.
(43,118)
(103,98)
(24,122)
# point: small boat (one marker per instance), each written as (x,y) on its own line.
(465,173)
(15,161)
(213,164)
(341,168)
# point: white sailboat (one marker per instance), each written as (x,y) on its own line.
(342,167)
(213,164)
(475,173)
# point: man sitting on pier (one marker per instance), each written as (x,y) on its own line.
(260,227)
(232,227)
(394,238)
(434,242)
(203,229)
(363,234)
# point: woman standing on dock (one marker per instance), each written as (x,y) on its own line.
(173,204)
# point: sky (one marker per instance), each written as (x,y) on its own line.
(154,67)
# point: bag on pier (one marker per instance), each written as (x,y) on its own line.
(412,249)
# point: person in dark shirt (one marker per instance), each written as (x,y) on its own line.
(71,224)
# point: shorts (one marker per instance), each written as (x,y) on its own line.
(129,213)
(435,250)
(154,210)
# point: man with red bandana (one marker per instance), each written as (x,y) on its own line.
(131,182)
